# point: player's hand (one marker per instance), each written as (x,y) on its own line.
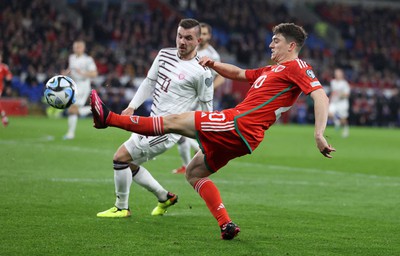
(324,147)
(206,62)
(127,112)
(65,72)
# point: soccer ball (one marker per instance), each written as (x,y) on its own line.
(60,92)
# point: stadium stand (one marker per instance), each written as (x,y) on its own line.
(124,37)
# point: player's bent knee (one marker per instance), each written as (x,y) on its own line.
(122,155)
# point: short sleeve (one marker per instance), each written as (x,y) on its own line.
(303,76)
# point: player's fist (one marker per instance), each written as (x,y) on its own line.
(206,62)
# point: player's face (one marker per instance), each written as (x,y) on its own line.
(205,36)
(186,42)
(339,74)
(280,48)
(79,48)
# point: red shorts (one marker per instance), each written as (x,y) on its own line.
(218,138)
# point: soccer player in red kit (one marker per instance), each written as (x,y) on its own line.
(237,131)
(5,73)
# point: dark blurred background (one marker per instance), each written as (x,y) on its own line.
(124,36)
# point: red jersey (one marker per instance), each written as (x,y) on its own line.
(274,89)
(4,73)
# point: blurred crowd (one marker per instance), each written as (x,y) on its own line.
(36,39)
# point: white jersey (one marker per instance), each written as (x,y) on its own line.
(339,105)
(178,83)
(210,52)
(338,89)
(83,63)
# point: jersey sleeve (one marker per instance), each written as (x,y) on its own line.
(153,71)
(253,74)
(304,77)
(347,89)
(205,90)
(91,64)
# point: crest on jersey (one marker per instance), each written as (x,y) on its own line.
(135,119)
(310,73)
(181,76)
(279,68)
(208,81)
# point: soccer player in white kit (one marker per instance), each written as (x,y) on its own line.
(185,145)
(175,80)
(81,68)
(339,101)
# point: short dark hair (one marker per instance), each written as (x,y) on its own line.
(291,32)
(205,25)
(190,23)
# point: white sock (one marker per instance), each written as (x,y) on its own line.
(84,111)
(146,180)
(194,144)
(72,122)
(346,131)
(336,122)
(184,151)
(122,181)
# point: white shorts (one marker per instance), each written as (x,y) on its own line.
(82,93)
(339,110)
(143,148)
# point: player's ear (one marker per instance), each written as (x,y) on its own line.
(292,46)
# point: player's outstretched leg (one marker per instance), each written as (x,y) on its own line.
(99,110)
(162,207)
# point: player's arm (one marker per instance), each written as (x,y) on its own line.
(92,70)
(146,88)
(321,105)
(90,74)
(8,75)
(224,69)
(218,81)
(144,92)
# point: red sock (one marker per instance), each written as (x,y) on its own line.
(149,126)
(210,194)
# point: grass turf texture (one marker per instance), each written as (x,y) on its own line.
(287,198)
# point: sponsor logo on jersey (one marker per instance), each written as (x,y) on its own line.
(135,119)
(310,73)
(315,83)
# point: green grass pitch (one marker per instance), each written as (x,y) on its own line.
(286,197)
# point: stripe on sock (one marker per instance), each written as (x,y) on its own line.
(200,183)
(157,124)
(120,165)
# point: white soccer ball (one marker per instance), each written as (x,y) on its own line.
(60,92)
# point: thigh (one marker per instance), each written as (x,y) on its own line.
(144,148)
(218,139)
